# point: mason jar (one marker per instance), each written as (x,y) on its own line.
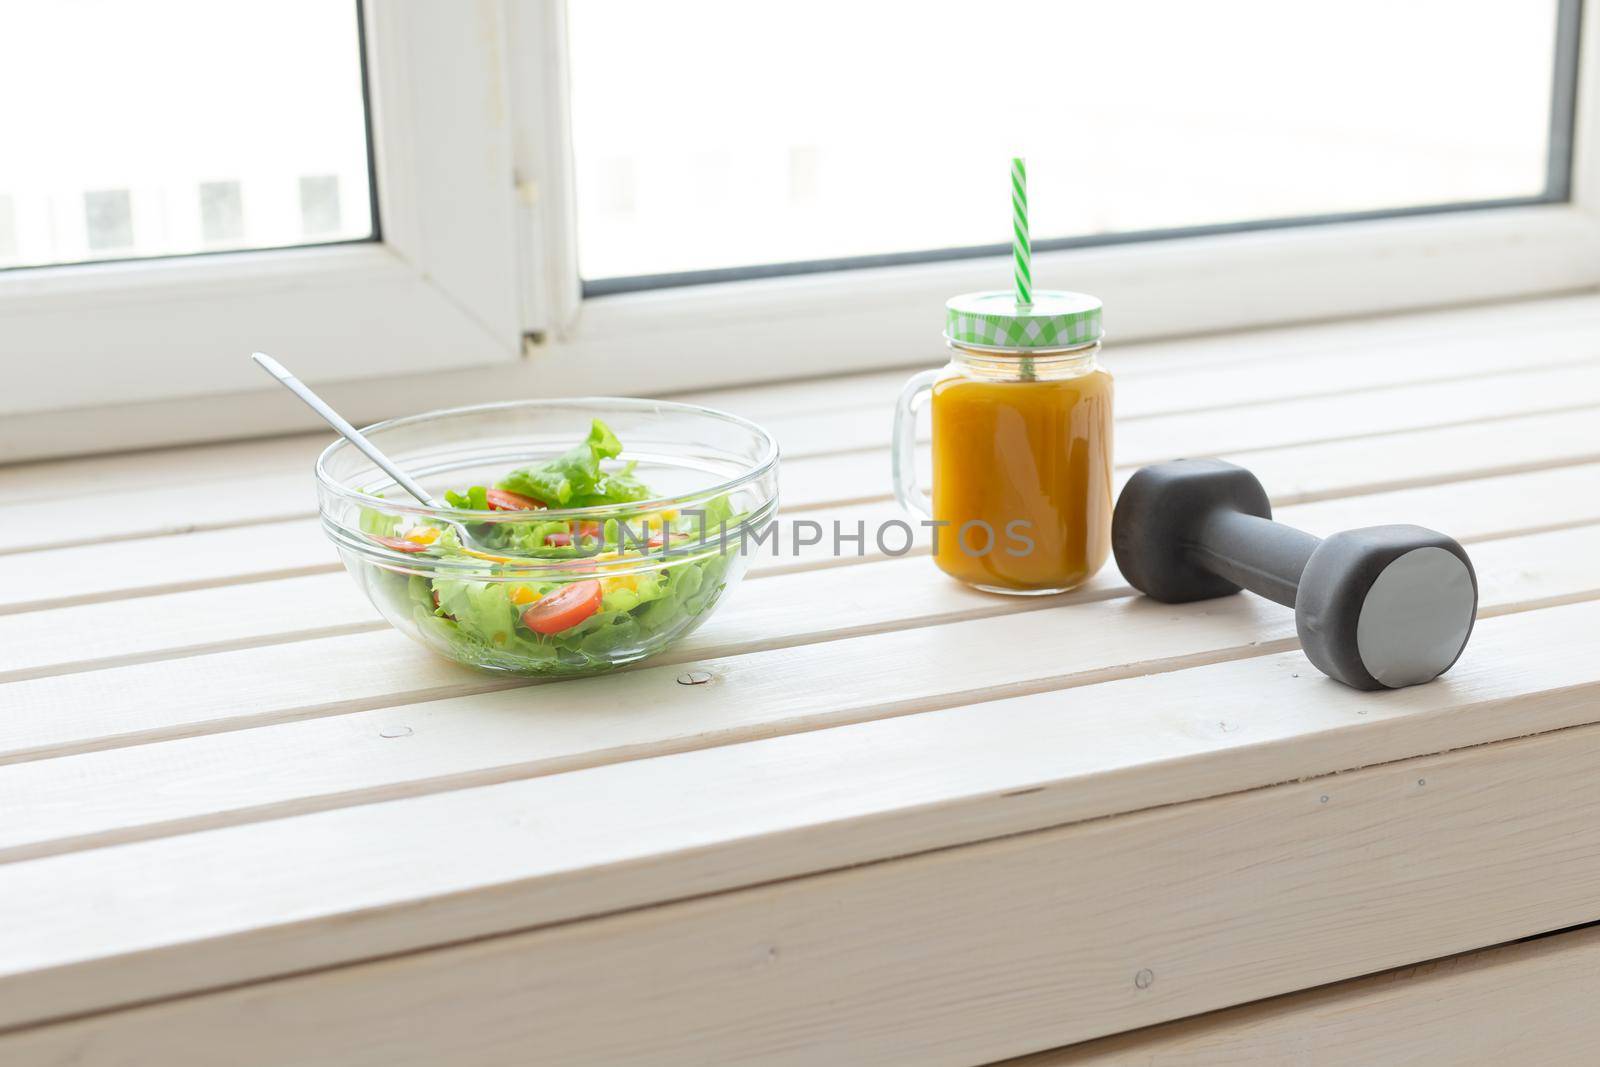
(1022,464)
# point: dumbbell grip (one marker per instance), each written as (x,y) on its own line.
(1263,556)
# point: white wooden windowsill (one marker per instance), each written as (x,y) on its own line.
(244,821)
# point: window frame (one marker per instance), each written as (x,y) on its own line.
(473,292)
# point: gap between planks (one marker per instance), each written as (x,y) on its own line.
(1526,1001)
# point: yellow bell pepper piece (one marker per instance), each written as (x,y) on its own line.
(491,557)
(629,582)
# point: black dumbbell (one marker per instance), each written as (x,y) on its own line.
(1380,607)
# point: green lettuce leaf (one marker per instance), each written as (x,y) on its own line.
(380,523)
(476,498)
(527,538)
(706,523)
(574,474)
(481,609)
(616,487)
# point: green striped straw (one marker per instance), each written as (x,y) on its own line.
(1021,249)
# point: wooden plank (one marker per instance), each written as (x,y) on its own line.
(1321,471)
(1258,361)
(1355,368)
(1255,428)
(375,666)
(1252,366)
(1404,349)
(151,469)
(1564,496)
(1298,473)
(1264,365)
(1403,460)
(271,489)
(232,905)
(141,567)
(1201,428)
(119,632)
(1474,510)
(1530,1002)
(1213,902)
(118,514)
(52,641)
(315,758)
(289,683)
(138,627)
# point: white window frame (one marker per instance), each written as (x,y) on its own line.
(473,292)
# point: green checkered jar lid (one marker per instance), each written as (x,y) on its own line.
(1055,319)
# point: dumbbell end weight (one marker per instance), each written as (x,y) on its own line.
(1157,525)
(1386,606)
(1381,607)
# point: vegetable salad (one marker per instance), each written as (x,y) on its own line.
(550,624)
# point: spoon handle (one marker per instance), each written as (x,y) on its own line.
(337,421)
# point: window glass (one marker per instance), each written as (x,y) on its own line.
(221,212)
(172,126)
(720,133)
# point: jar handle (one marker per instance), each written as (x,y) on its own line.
(911,496)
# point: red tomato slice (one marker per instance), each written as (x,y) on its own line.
(563,609)
(500,500)
(399,544)
(558,540)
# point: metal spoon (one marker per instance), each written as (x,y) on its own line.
(338,422)
(353,435)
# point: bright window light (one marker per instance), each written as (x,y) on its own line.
(173,126)
(720,133)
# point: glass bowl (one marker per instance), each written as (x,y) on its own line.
(628,579)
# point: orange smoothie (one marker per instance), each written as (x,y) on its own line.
(1023,469)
